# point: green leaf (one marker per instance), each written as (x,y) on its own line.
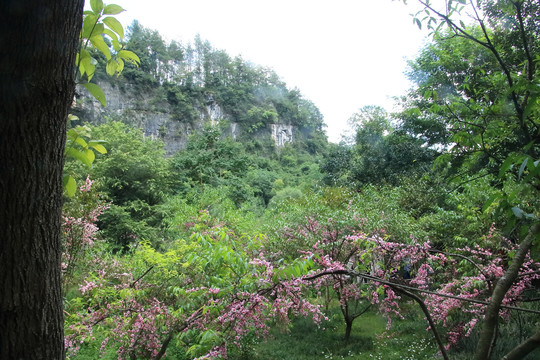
(96,93)
(490,201)
(114,25)
(520,214)
(69,185)
(81,142)
(111,67)
(97,145)
(83,54)
(111,34)
(517,212)
(89,23)
(87,67)
(522,167)
(97,5)
(507,164)
(112,9)
(98,42)
(76,132)
(208,336)
(120,66)
(129,56)
(90,156)
(72,117)
(82,156)
(98,30)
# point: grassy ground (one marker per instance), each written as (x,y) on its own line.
(406,340)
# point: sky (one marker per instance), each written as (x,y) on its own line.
(341,54)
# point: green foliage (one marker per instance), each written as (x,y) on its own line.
(478,110)
(285,194)
(377,153)
(92,40)
(98,32)
(79,147)
(475,100)
(182,209)
(183,79)
(135,166)
(181,293)
(248,180)
(208,159)
(136,177)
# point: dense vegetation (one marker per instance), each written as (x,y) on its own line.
(336,250)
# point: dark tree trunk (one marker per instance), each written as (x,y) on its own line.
(348,328)
(38,42)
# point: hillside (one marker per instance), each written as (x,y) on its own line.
(179,88)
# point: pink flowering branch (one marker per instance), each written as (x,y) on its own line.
(409,291)
(488,278)
(406,287)
(461,287)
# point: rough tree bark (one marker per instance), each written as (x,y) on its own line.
(38,43)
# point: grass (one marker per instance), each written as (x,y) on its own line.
(407,340)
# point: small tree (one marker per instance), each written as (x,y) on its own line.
(329,245)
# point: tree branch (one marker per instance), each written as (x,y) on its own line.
(488,45)
(524,348)
(196,315)
(467,259)
(428,318)
(140,277)
(406,287)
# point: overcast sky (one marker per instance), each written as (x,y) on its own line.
(341,54)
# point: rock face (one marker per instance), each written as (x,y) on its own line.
(282,134)
(158,121)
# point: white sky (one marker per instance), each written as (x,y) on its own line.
(341,54)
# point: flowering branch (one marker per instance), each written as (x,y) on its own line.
(401,286)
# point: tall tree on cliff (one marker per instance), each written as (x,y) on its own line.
(38,43)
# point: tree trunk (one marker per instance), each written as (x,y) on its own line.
(38,43)
(348,328)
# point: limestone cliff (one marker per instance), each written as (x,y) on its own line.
(158,120)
